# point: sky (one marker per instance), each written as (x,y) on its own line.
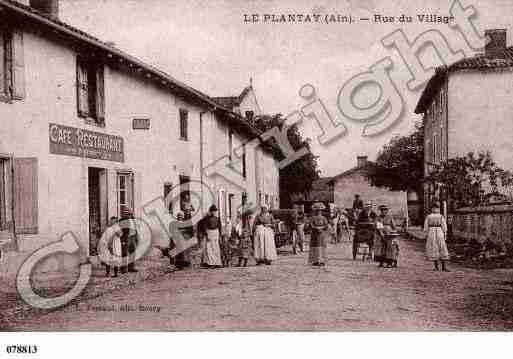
(207,44)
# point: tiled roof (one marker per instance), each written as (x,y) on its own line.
(352,170)
(228,102)
(480,62)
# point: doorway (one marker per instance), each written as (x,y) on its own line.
(97,188)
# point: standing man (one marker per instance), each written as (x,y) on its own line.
(367,214)
(209,230)
(357,203)
(128,239)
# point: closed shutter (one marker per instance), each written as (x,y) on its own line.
(25,195)
(3,91)
(82,91)
(18,70)
(100,96)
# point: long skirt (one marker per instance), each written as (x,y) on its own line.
(211,248)
(436,248)
(245,247)
(265,248)
(318,245)
(379,248)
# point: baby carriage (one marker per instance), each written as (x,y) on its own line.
(363,240)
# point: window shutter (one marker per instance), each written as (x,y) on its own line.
(100,95)
(2,64)
(25,195)
(82,97)
(18,69)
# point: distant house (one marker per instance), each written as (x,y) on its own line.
(245,104)
(354,181)
(467,107)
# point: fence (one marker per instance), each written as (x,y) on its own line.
(487,225)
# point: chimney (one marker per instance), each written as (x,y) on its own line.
(47,7)
(361,161)
(495,47)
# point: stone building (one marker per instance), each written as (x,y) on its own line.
(467,107)
(353,181)
(89,129)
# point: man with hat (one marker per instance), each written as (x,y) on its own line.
(367,215)
(209,231)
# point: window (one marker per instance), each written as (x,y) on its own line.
(125,191)
(168,186)
(244,161)
(90,91)
(442,144)
(435,149)
(260,198)
(12,77)
(244,198)
(185,196)
(184,114)
(267,200)
(441,100)
(230,144)
(230,204)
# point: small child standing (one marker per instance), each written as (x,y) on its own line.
(243,233)
(394,252)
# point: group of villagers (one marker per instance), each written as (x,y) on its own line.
(247,236)
(254,236)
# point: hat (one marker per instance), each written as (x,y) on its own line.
(318,206)
(180,215)
(383,207)
(213,208)
(368,204)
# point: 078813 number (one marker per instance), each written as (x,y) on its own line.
(21,349)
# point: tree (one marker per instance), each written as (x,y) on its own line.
(399,166)
(298,176)
(471,179)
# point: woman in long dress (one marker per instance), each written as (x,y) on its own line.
(384,249)
(264,245)
(436,229)
(209,228)
(319,237)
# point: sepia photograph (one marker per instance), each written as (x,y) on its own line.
(255,166)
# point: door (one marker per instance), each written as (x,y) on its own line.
(97,188)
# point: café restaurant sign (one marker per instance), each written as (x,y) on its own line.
(71,141)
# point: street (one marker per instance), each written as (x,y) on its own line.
(346,295)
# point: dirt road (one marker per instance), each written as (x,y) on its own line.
(346,295)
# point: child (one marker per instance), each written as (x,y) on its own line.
(395,252)
(243,234)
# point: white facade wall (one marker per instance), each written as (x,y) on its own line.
(156,156)
(480,110)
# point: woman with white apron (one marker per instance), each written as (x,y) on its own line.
(264,245)
(209,229)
